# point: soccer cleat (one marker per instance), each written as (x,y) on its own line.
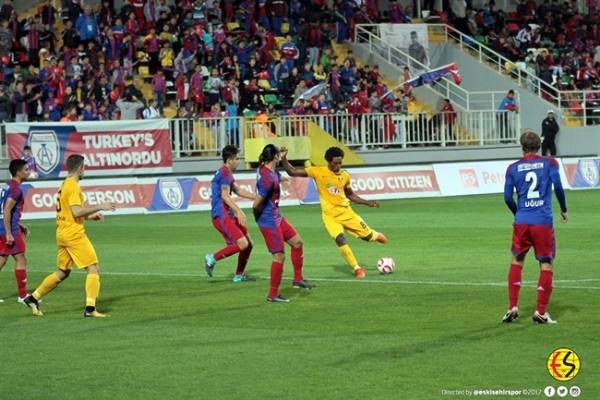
(34,305)
(93,314)
(381,238)
(542,319)
(277,299)
(303,285)
(511,315)
(21,300)
(243,278)
(210,262)
(360,273)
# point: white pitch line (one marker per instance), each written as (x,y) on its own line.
(345,280)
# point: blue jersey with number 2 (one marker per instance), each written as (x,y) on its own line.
(533,178)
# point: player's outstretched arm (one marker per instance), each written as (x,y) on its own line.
(237,189)
(289,168)
(353,197)
(84,212)
(8,206)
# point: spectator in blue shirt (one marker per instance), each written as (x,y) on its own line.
(87,25)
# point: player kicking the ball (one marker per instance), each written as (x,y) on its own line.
(533,177)
(275,229)
(11,231)
(228,218)
(333,185)
(74,247)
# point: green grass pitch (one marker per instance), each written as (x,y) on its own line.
(433,325)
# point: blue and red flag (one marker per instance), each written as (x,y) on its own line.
(427,78)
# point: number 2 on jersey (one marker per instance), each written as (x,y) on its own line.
(533,192)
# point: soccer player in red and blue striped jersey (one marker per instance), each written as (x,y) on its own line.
(11,230)
(228,218)
(533,178)
(275,229)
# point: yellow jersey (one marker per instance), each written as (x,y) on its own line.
(331,187)
(69,194)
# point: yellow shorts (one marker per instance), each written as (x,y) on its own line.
(79,251)
(349,221)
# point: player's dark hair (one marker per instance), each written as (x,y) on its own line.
(332,153)
(530,142)
(27,148)
(74,162)
(15,166)
(229,152)
(268,154)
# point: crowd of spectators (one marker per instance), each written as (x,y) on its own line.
(200,57)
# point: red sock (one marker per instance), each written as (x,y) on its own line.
(243,260)
(544,291)
(226,251)
(21,276)
(514,284)
(276,272)
(297,262)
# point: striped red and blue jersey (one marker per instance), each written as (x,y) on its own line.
(12,189)
(218,208)
(267,187)
(533,178)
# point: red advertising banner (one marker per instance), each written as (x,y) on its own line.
(109,147)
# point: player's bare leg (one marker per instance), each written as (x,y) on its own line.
(514,287)
(348,255)
(296,243)
(92,290)
(2,263)
(544,290)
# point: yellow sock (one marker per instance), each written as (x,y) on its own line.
(348,256)
(49,283)
(92,289)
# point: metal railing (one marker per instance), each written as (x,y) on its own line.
(369,35)
(364,131)
(204,136)
(583,106)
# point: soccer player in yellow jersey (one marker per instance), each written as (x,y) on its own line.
(74,247)
(335,194)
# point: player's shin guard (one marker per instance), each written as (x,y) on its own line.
(544,290)
(47,285)
(226,251)
(21,277)
(514,284)
(243,260)
(297,262)
(276,272)
(92,289)
(348,256)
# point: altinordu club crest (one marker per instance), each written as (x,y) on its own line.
(45,149)
(171,192)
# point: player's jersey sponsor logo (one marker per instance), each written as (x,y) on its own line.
(589,171)
(171,192)
(469,178)
(334,190)
(563,364)
(46,149)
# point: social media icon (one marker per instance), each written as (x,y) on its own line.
(575,391)
(562,391)
(549,391)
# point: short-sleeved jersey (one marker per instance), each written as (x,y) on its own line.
(533,178)
(69,194)
(267,186)
(331,187)
(223,177)
(12,189)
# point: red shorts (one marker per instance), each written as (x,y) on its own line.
(230,228)
(18,247)
(275,237)
(540,237)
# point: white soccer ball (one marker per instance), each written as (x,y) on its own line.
(386,265)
